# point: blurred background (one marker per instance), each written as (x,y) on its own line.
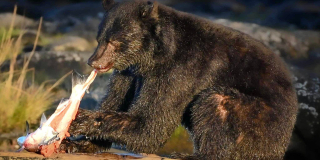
(34,67)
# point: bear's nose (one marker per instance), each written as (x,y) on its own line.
(89,63)
(93,64)
(92,61)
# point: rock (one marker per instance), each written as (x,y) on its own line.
(60,56)
(297,47)
(310,63)
(78,11)
(29,48)
(305,141)
(213,7)
(284,43)
(70,43)
(52,65)
(86,27)
(305,15)
(20,21)
(80,19)
(278,14)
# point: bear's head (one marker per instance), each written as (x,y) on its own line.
(126,36)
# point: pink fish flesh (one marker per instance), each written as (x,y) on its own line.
(47,138)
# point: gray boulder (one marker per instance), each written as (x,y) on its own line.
(20,21)
(285,43)
(70,43)
(305,140)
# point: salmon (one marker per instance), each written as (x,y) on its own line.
(47,138)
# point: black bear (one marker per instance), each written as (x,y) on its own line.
(231,92)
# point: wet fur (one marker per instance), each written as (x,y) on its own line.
(229,90)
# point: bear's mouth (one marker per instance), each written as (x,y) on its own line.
(103,69)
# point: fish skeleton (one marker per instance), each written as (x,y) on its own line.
(47,138)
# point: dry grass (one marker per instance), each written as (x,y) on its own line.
(20,98)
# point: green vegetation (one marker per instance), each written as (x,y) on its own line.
(4,33)
(179,142)
(20,98)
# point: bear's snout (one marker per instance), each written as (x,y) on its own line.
(103,58)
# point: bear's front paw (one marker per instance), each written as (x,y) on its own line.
(183,156)
(84,146)
(84,123)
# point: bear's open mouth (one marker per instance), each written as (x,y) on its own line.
(102,69)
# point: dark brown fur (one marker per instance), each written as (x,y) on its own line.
(229,90)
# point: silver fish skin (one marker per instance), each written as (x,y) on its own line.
(42,136)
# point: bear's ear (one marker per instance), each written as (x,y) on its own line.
(149,9)
(107,4)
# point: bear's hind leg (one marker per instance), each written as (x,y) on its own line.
(227,124)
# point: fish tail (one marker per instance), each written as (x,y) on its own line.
(19,150)
(77,78)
